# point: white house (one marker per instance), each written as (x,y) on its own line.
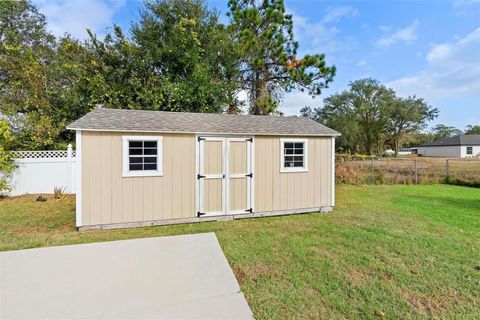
(461,146)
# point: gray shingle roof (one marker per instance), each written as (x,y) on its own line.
(461,140)
(208,123)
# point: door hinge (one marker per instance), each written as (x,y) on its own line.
(249,139)
(249,210)
(249,175)
(199,176)
(199,214)
(200,139)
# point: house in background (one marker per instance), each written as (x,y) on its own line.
(139,168)
(461,146)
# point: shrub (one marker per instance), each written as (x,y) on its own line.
(59,192)
(463,182)
(6,161)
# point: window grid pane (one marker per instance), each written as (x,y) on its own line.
(293,154)
(142,155)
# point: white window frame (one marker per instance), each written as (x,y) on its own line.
(142,173)
(466,150)
(305,155)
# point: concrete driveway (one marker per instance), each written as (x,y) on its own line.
(179,277)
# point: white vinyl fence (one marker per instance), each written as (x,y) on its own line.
(41,171)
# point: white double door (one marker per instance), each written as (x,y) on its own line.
(224,175)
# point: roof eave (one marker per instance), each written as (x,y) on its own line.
(336,134)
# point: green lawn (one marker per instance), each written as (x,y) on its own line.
(385,251)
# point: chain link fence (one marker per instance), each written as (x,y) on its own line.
(352,169)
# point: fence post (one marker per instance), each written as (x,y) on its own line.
(69,168)
(447,173)
(416,172)
(373,170)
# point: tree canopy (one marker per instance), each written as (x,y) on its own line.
(176,56)
(473,129)
(371,116)
(269,66)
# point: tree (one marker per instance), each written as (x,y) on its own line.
(441,131)
(407,116)
(370,116)
(269,66)
(178,57)
(36,78)
(24,49)
(6,160)
(473,129)
(361,114)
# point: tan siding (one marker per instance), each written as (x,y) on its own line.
(95,185)
(275,190)
(167,178)
(105,156)
(148,198)
(238,186)
(107,197)
(117,185)
(86,172)
(238,194)
(213,195)
(177,176)
(277,197)
(212,157)
(238,157)
(268,195)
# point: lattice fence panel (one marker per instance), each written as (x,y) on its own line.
(46,154)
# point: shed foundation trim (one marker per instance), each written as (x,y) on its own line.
(203,219)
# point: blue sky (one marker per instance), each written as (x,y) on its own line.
(427,48)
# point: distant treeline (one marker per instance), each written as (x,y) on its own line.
(372,118)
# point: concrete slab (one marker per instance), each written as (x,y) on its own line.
(179,277)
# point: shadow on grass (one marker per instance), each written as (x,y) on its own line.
(449,202)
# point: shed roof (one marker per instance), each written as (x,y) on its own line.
(205,123)
(460,140)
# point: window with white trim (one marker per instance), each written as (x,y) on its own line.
(469,150)
(142,156)
(294,155)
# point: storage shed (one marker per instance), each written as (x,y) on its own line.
(152,167)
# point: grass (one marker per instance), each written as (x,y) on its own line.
(385,252)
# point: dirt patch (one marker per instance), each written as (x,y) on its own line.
(426,304)
(357,276)
(33,197)
(29,230)
(254,271)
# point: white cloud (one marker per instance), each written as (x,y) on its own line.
(74,17)
(335,14)
(296,100)
(452,71)
(362,63)
(385,28)
(322,36)
(407,35)
(458,3)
